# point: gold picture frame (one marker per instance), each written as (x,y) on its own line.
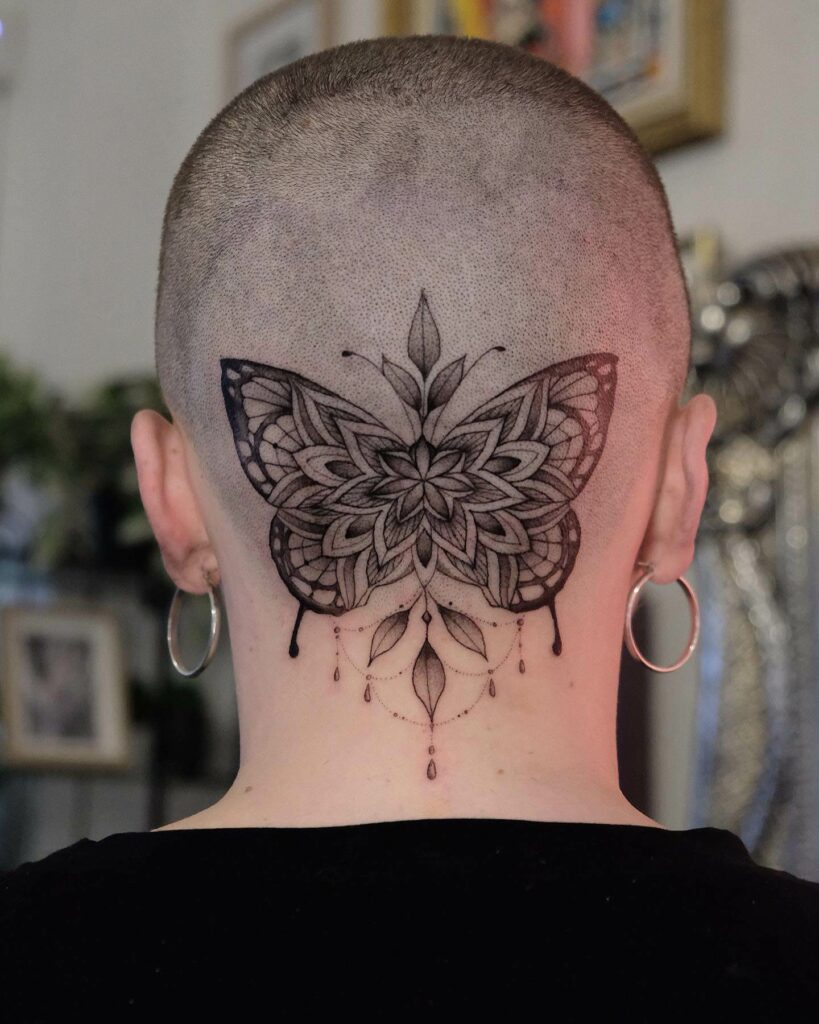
(64,690)
(664,76)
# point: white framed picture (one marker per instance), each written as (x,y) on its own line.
(64,691)
(275,35)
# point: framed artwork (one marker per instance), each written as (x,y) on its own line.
(65,700)
(275,35)
(659,63)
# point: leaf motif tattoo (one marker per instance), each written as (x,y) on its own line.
(463,629)
(445,383)
(428,678)
(424,346)
(402,383)
(387,634)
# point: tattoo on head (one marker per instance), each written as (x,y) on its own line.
(485,503)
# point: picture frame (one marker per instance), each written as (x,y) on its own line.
(659,63)
(275,35)
(65,699)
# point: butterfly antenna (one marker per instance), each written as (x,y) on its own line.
(494,348)
(347,353)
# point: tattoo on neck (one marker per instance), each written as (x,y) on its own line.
(482,504)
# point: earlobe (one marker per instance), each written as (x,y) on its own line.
(170,502)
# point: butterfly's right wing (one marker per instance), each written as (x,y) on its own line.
(314,457)
(540,439)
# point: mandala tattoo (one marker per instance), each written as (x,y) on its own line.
(485,503)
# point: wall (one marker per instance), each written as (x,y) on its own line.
(110,96)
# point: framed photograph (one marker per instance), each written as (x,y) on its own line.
(65,699)
(275,35)
(659,63)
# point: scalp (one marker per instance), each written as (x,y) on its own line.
(312,210)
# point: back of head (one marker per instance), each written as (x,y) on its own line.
(313,211)
(422,319)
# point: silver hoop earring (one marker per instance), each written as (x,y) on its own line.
(213,639)
(633,596)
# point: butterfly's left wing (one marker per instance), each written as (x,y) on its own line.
(530,452)
(315,458)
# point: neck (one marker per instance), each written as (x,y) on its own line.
(322,747)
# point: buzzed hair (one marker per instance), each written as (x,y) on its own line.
(338,199)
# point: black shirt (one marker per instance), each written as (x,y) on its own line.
(528,919)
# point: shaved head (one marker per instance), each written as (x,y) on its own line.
(423,329)
(459,188)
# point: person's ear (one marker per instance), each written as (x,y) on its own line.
(672,529)
(171,503)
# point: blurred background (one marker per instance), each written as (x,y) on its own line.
(99,102)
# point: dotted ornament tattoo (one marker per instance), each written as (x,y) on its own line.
(485,503)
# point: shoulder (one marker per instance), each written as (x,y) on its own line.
(78,892)
(711,876)
(763,884)
(67,924)
(44,885)
(79,875)
(717,859)
(18,880)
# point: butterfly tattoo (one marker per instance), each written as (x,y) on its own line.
(487,502)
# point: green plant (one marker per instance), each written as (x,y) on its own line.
(80,457)
(26,410)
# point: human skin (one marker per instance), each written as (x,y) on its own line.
(313,753)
